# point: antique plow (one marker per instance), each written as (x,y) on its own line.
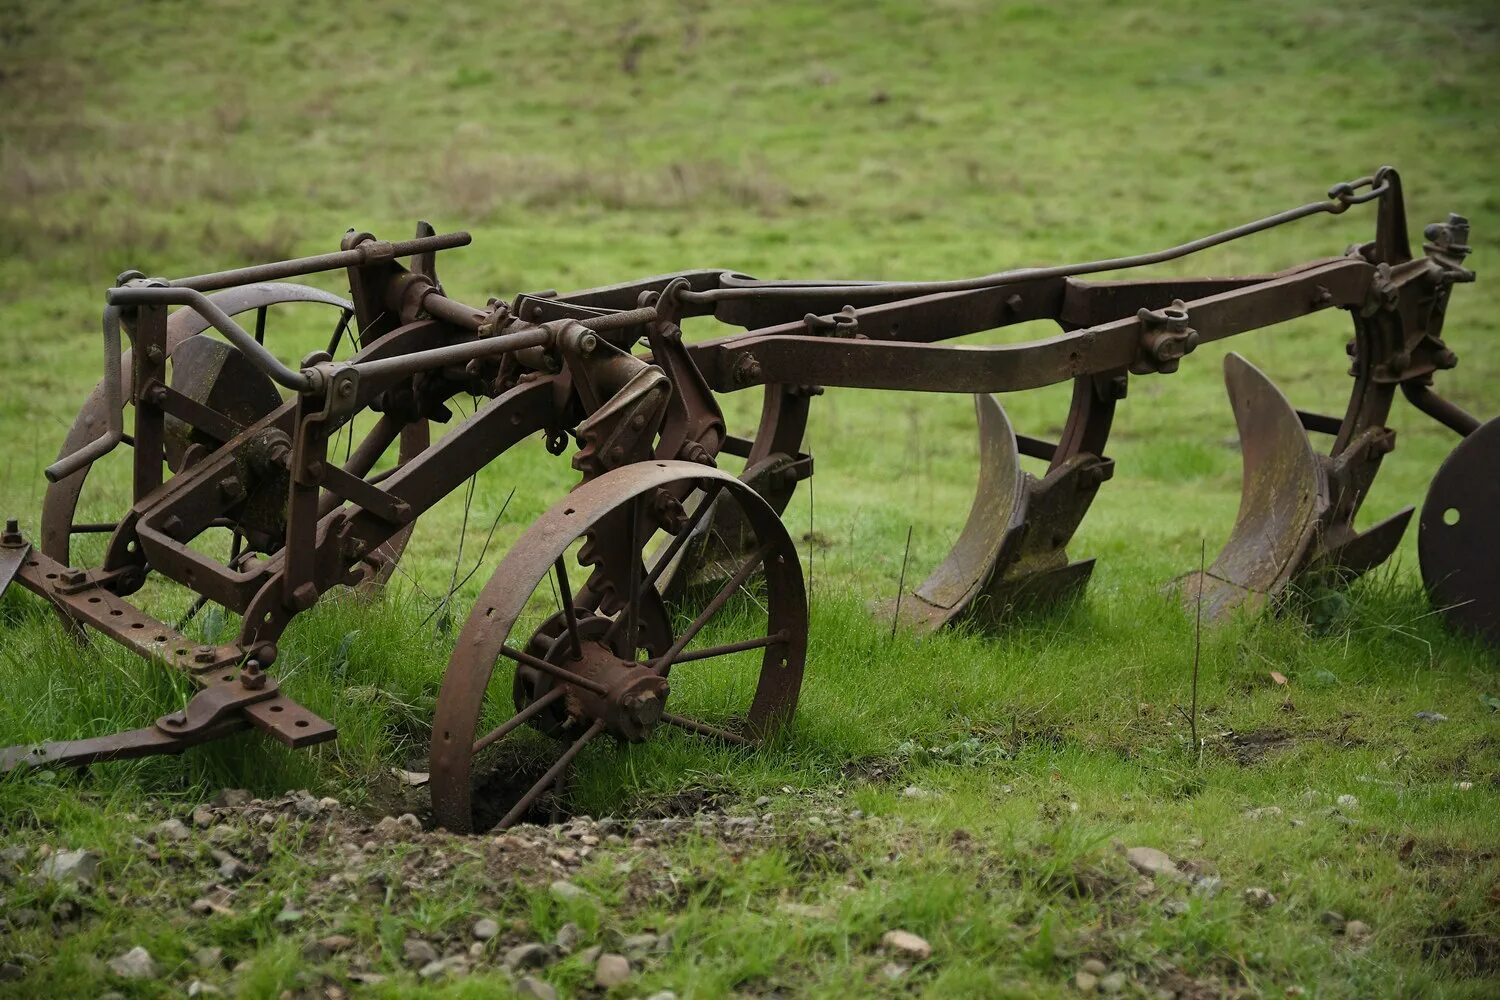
(604,613)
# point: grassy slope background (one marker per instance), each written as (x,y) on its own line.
(583,145)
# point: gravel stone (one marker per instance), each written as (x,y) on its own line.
(485,929)
(534,989)
(231,798)
(1259,898)
(1150,861)
(527,956)
(611,970)
(906,943)
(172,829)
(70,866)
(136,963)
(418,952)
(569,937)
(564,891)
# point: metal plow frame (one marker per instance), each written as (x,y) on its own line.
(241,454)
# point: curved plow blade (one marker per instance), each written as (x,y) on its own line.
(1459,536)
(993,526)
(1011,554)
(1283,495)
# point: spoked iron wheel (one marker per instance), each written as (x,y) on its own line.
(219,377)
(606,658)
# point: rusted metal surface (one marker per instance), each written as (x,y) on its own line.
(225,433)
(1458,539)
(591,657)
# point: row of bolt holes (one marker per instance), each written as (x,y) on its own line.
(181,651)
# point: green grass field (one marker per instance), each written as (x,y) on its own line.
(583,144)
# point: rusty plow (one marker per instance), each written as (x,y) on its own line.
(663,592)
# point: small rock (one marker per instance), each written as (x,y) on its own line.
(564,892)
(65,910)
(171,829)
(11,972)
(485,929)
(231,869)
(1356,930)
(1259,898)
(611,970)
(418,952)
(397,826)
(136,963)
(1463,786)
(662,995)
(1208,885)
(1150,861)
(1094,967)
(569,937)
(198,988)
(763,801)
(231,798)
(1347,802)
(288,915)
(590,955)
(1086,982)
(208,906)
(913,792)
(209,958)
(527,956)
(637,945)
(327,803)
(1174,907)
(1263,812)
(70,866)
(1333,920)
(203,817)
(1432,717)
(534,989)
(906,943)
(326,947)
(443,967)
(1113,983)
(894,970)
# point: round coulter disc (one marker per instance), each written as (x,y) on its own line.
(1459,539)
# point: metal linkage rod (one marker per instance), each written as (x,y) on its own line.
(366,253)
(204,306)
(1340,197)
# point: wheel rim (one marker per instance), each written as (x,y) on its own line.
(579,676)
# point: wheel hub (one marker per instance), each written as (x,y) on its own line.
(634,694)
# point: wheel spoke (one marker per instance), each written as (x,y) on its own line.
(93,528)
(553,773)
(709,496)
(635,570)
(520,718)
(570,613)
(561,673)
(727,648)
(704,729)
(719,600)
